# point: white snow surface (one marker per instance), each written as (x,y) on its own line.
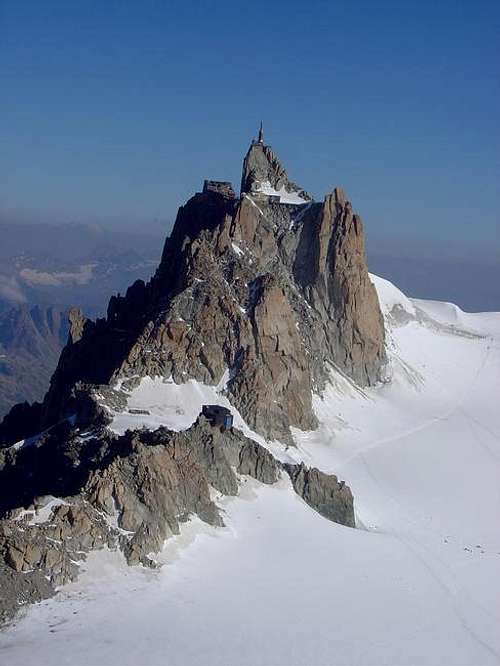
(285,196)
(417,583)
(390,296)
(237,249)
(43,513)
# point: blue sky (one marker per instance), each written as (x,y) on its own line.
(115,111)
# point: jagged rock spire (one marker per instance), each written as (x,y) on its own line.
(263,172)
(276,295)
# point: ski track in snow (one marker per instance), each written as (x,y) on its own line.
(416,584)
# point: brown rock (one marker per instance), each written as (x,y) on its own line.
(324,493)
(14,557)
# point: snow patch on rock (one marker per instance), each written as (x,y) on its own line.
(285,196)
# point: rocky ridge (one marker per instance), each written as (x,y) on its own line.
(90,491)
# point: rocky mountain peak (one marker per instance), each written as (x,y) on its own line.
(273,290)
(264,174)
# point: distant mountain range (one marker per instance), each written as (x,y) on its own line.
(65,265)
(31,339)
(44,271)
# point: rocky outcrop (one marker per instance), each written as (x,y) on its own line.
(222,187)
(21,422)
(67,494)
(273,365)
(51,540)
(330,265)
(324,493)
(257,462)
(262,169)
(19,590)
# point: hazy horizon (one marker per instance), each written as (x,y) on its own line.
(114,114)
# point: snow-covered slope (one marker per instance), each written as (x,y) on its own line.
(285,196)
(416,584)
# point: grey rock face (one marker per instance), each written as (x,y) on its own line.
(261,166)
(324,493)
(222,187)
(330,265)
(19,590)
(257,462)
